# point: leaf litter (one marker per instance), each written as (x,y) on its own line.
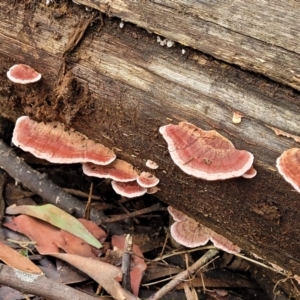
(96,264)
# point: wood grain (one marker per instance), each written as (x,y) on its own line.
(261,36)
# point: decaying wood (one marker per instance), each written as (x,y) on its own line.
(126,86)
(261,36)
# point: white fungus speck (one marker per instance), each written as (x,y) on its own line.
(164,42)
(183,51)
(170,43)
(121,24)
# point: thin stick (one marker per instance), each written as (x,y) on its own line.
(126,262)
(134,214)
(184,275)
(127,211)
(87,210)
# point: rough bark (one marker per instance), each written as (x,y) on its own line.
(261,36)
(118,86)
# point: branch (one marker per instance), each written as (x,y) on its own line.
(39,285)
(184,275)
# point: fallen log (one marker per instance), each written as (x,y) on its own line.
(118,86)
(261,36)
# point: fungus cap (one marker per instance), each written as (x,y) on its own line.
(205,154)
(23,74)
(187,231)
(190,233)
(151,164)
(147,180)
(176,214)
(222,243)
(118,170)
(288,165)
(250,173)
(52,142)
(128,189)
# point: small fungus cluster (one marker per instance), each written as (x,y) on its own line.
(189,233)
(52,142)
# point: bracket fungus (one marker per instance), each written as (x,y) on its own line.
(288,165)
(190,233)
(23,74)
(205,154)
(151,164)
(118,170)
(52,142)
(147,180)
(250,173)
(128,189)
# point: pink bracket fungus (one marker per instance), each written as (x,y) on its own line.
(23,74)
(151,164)
(118,170)
(205,154)
(128,189)
(288,165)
(147,180)
(50,141)
(189,233)
(250,173)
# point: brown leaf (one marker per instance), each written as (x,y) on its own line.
(51,239)
(104,274)
(16,260)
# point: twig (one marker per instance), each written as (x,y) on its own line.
(81,194)
(87,210)
(143,211)
(126,263)
(127,211)
(183,275)
(39,285)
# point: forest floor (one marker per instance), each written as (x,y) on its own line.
(225,276)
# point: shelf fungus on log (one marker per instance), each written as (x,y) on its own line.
(205,154)
(151,164)
(52,142)
(250,173)
(189,233)
(128,189)
(23,74)
(147,180)
(288,165)
(118,170)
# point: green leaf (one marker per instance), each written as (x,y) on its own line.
(57,217)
